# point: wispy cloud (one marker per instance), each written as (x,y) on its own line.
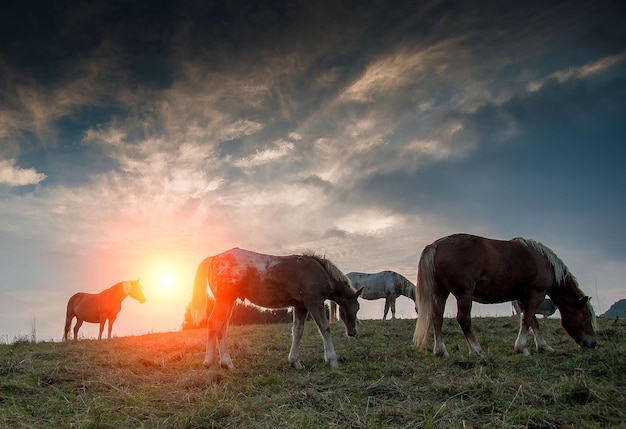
(278,150)
(397,70)
(34,106)
(581,72)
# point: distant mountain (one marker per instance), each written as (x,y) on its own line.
(617,310)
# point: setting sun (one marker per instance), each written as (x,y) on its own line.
(165,279)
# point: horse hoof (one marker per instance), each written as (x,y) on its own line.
(297,365)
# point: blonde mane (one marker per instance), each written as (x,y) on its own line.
(332,270)
(561,272)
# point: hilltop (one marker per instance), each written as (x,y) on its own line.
(158,381)
(617,310)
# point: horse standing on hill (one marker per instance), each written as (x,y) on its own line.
(303,282)
(546,308)
(100,307)
(491,271)
(385,284)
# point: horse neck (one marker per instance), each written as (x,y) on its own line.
(116,292)
(406,287)
(565,293)
(340,293)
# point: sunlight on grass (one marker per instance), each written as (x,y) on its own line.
(158,380)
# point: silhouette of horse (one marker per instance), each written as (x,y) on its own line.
(490,271)
(303,282)
(100,307)
(386,284)
(546,308)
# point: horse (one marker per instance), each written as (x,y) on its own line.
(490,271)
(100,307)
(302,282)
(546,308)
(385,284)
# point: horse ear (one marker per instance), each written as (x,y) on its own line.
(359,291)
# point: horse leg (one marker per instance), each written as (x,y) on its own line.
(332,311)
(540,341)
(330,357)
(439,303)
(103,319)
(463,317)
(79,323)
(111,320)
(521,343)
(386,309)
(299,317)
(215,325)
(225,360)
(393,308)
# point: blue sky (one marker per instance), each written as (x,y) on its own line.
(138,138)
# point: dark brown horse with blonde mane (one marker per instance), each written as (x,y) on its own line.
(100,307)
(492,271)
(303,282)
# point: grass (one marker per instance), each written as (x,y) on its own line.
(158,381)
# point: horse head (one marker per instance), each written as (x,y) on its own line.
(579,321)
(348,311)
(133,288)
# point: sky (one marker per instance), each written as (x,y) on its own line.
(138,138)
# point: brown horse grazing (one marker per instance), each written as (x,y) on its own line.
(303,282)
(97,308)
(491,271)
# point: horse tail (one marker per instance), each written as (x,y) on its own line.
(69,315)
(425,291)
(199,298)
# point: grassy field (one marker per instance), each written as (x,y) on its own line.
(157,381)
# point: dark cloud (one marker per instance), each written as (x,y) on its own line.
(558,173)
(360,129)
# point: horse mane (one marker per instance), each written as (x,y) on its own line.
(561,272)
(401,278)
(406,283)
(332,270)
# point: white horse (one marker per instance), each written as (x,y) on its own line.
(386,284)
(546,308)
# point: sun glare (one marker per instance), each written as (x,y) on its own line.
(165,279)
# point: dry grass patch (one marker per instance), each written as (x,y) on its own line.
(158,381)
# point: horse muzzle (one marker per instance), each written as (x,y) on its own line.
(588,343)
(351,332)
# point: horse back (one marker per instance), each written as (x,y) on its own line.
(266,280)
(73,302)
(491,270)
(89,306)
(375,286)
